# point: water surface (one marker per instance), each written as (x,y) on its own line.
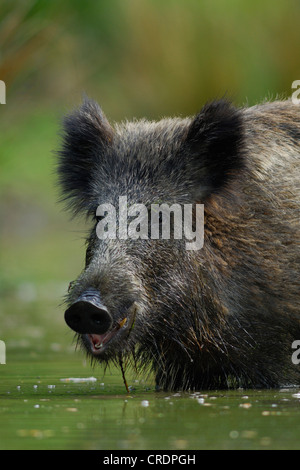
(40,409)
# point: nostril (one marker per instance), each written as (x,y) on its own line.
(74,316)
(88,314)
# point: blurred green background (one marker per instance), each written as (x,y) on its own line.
(138,58)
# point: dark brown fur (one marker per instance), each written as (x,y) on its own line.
(225,315)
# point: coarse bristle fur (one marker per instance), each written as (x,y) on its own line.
(222,316)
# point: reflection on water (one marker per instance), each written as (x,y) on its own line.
(39,410)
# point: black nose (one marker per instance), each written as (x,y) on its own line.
(88,315)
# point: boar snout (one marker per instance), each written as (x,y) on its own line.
(88,315)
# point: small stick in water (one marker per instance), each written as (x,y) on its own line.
(123,374)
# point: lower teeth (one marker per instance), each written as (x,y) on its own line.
(98,346)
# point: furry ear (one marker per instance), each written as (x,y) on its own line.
(86,135)
(214,144)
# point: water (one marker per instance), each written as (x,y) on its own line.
(40,411)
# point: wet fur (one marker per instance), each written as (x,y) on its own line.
(225,315)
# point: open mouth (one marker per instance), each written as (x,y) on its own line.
(99,343)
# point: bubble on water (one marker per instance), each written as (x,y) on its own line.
(145,403)
(79,379)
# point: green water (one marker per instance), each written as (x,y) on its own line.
(39,409)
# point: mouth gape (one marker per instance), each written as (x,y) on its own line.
(98,343)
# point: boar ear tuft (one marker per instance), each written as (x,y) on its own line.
(214,143)
(86,134)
